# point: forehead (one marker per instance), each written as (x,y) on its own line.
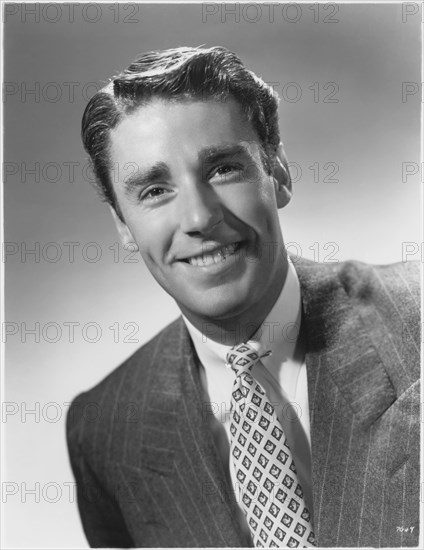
(180,129)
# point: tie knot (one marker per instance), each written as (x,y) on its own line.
(242,357)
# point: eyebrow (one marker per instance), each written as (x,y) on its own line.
(160,171)
(143,177)
(216,153)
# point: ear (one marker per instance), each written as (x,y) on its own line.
(125,234)
(282,179)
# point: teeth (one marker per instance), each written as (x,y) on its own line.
(214,258)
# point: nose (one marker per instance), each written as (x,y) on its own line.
(200,210)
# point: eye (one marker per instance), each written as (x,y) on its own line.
(227,171)
(153,193)
(226,168)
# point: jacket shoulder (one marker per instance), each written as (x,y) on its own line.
(399,282)
(105,398)
(381,302)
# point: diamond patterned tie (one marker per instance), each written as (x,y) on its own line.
(271,495)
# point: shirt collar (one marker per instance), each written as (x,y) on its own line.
(278,333)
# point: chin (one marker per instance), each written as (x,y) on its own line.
(216,306)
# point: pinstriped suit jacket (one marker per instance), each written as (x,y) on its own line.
(147,470)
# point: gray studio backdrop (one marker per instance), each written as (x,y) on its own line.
(76,303)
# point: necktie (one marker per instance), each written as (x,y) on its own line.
(269,491)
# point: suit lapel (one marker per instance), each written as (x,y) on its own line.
(218,502)
(349,390)
(196,502)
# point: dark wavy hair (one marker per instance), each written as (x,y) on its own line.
(175,75)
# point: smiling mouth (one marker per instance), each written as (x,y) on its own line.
(214,256)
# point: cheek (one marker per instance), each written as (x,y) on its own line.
(255,206)
(152,233)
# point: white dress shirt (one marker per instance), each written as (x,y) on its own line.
(282,375)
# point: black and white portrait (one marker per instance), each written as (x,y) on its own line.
(212,257)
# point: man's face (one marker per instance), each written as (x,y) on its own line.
(200,206)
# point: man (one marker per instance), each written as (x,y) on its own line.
(280,410)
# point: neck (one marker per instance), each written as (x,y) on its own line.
(240,327)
